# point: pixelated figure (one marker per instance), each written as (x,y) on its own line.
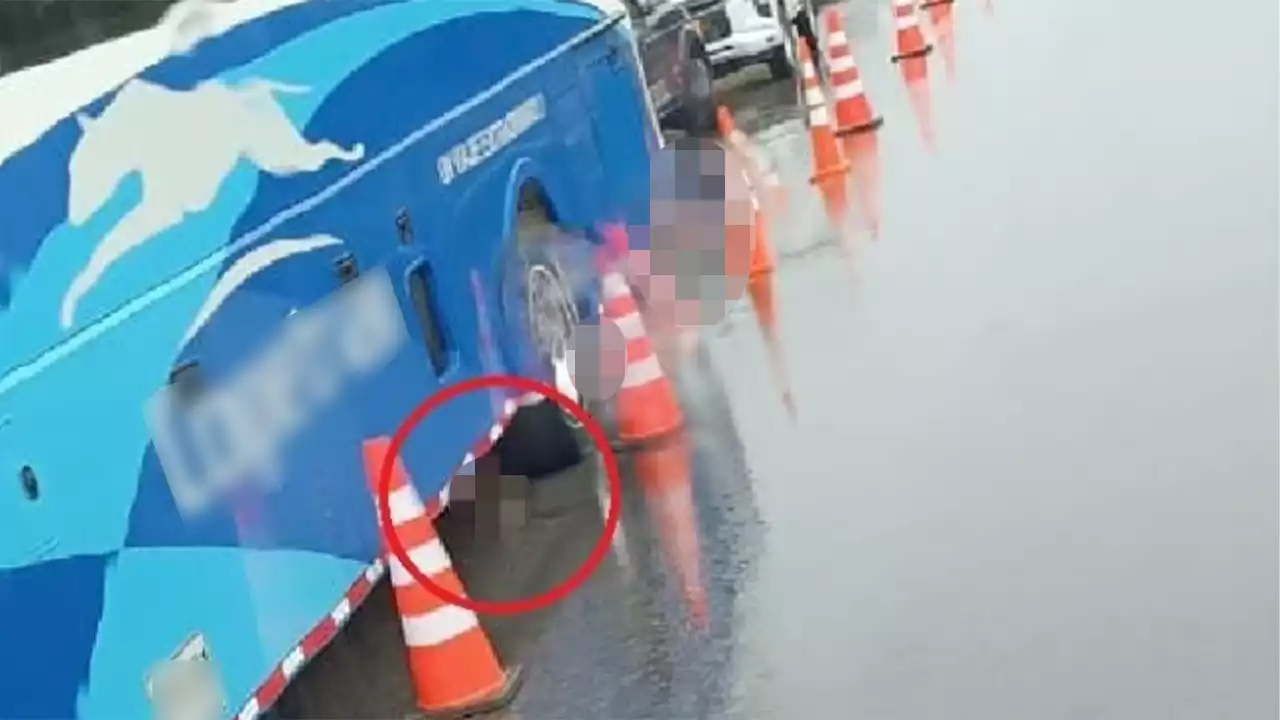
(598,361)
(699,238)
(495,505)
(802,22)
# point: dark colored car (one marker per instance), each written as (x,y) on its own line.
(677,68)
(37,31)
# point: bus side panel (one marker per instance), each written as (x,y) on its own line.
(558,155)
(624,131)
(564,160)
(462,224)
(107,555)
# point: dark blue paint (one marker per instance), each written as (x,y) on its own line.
(44,657)
(28,222)
(364,109)
(324,504)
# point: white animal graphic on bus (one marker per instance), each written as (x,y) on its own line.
(183,143)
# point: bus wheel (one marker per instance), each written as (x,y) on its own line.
(539,301)
(780,64)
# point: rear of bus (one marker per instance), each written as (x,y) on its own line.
(237,247)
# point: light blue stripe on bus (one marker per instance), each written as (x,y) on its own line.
(105,421)
(271,599)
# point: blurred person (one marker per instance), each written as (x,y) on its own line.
(802,21)
(697,249)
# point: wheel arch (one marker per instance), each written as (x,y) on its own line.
(527,176)
(530,192)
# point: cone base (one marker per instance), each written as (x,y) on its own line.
(760,273)
(830,172)
(651,411)
(872,124)
(641,440)
(762,302)
(931,3)
(501,698)
(921,52)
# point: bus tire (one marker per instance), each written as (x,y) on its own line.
(780,65)
(538,443)
(542,439)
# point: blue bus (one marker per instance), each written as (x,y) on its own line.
(237,240)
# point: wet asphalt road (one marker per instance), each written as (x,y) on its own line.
(1033,470)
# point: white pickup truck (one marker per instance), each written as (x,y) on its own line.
(740,33)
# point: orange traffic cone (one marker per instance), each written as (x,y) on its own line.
(915,73)
(775,191)
(829,166)
(647,405)
(762,301)
(760,289)
(728,129)
(761,250)
(853,109)
(863,151)
(663,474)
(762,170)
(453,667)
(943,22)
(910,38)
(760,274)
(740,220)
(761,260)
(739,147)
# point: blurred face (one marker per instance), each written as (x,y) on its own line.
(699,242)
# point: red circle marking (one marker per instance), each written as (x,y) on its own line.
(523,385)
